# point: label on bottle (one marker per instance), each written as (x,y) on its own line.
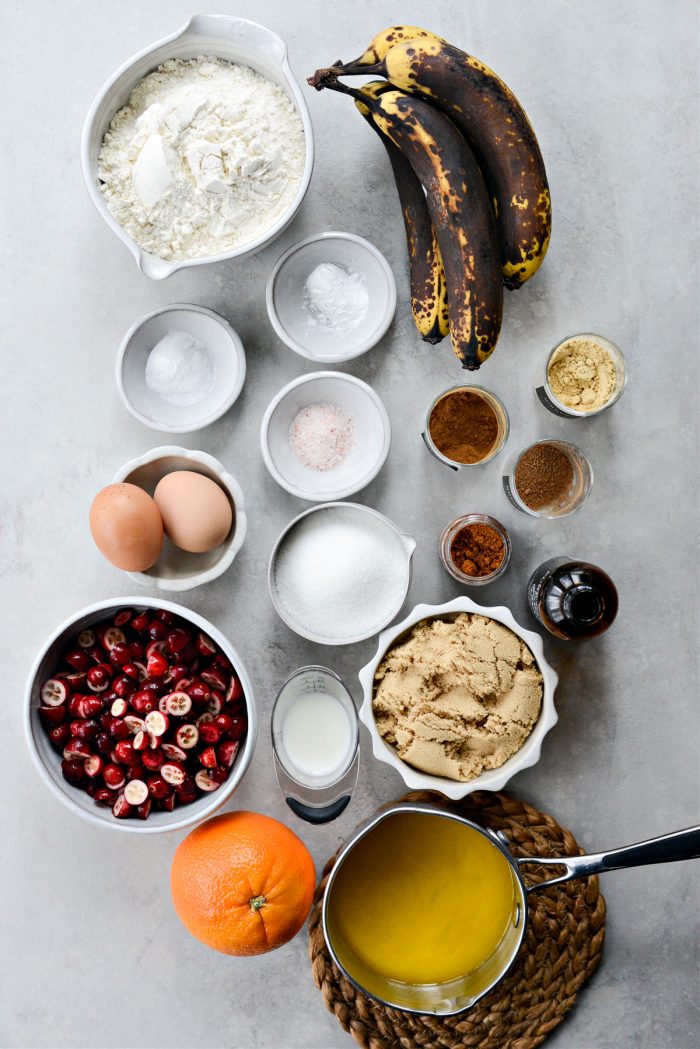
(550,405)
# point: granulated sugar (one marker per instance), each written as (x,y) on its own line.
(341,573)
(322,436)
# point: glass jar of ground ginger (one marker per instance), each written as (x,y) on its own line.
(465,426)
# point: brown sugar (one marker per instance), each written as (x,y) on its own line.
(463,426)
(477,550)
(544,476)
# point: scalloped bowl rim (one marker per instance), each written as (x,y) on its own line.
(494,779)
(196,811)
(235,491)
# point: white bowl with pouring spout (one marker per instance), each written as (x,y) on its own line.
(223,36)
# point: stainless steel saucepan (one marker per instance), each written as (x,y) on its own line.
(459,994)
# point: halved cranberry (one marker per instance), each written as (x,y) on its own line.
(123,685)
(59,736)
(157,723)
(123,617)
(136,792)
(106,721)
(144,809)
(214,705)
(219,775)
(167,804)
(207,756)
(164,616)
(54,692)
(95,654)
(157,665)
(99,677)
(141,621)
(172,772)
(104,796)
(178,704)
(205,645)
(119,707)
(125,752)
(209,732)
(132,670)
(89,707)
(51,716)
(190,657)
(137,650)
(205,780)
(114,776)
(141,740)
(77,658)
(75,680)
(93,765)
(135,724)
(84,728)
(157,787)
(86,638)
(187,736)
(120,654)
(137,771)
(224,723)
(111,636)
(174,753)
(215,678)
(234,692)
(226,753)
(119,729)
(204,719)
(222,662)
(76,749)
(121,808)
(188,786)
(198,692)
(72,770)
(103,743)
(152,759)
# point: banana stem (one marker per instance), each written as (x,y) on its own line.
(323,78)
(361,69)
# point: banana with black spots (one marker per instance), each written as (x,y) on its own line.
(427,274)
(495,125)
(459,208)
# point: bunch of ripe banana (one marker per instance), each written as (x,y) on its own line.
(470,178)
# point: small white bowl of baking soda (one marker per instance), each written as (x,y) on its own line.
(325,436)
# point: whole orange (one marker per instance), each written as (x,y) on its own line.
(242,883)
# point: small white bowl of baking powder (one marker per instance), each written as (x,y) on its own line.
(332,297)
(325,436)
(180,368)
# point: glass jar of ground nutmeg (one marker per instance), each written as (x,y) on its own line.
(475,549)
(550,478)
(465,426)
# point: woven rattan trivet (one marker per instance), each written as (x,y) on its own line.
(562,948)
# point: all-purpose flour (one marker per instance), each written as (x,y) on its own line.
(204,157)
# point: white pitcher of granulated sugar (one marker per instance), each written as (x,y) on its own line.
(222,36)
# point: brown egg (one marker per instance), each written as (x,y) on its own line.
(127,527)
(197,515)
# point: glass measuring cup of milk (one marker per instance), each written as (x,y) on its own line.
(315,742)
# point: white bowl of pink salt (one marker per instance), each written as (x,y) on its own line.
(325,436)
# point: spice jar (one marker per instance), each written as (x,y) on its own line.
(465,426)
(475,549)
(550,478)
(584,375)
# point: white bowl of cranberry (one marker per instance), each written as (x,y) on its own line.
(140,715)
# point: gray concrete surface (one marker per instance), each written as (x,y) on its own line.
(93,955)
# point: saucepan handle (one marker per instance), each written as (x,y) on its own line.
(680,845)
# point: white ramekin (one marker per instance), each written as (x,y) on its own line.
(224,36)
(223,346)
(494,779)
(48,761)
(176,570)
(366,458)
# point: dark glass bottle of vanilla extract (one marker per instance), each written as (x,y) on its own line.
(574,600)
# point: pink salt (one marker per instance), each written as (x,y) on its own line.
(322,436)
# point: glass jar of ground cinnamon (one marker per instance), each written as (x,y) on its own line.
(475,549)
(550,478)
(465,426)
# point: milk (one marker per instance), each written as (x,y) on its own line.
(317,735)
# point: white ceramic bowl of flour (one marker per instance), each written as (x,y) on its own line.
(331,297)
(223,36)
(340,572)
(371,436)
(226,362)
